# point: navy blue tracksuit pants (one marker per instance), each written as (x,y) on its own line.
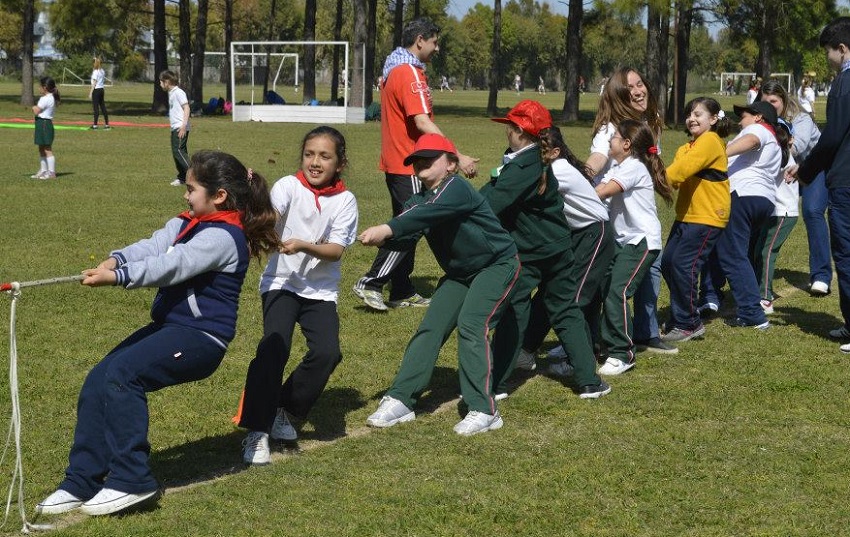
(688,247)
(111,446)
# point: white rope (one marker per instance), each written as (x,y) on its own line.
(14,289)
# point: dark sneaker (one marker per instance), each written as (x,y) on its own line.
(677,335)
(737,322)
(655,345)
(840,333)
(414,301)
(594,391)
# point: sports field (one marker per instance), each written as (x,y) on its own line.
(741,433)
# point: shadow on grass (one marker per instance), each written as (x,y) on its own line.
(810,322)
(444,387)
(798,279)
(328,415)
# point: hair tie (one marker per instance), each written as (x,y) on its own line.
(652,150)
(721,114)
(250,175)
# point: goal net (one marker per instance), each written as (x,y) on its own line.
(267,80)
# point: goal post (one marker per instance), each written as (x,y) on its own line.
(278,66)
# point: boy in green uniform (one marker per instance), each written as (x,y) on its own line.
(481,265)
(528,204)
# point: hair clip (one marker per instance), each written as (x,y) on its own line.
(721,114)
(250,175)
(652,150)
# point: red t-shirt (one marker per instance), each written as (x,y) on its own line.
(404,95)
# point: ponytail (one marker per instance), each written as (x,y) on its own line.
(247,192)
(50,85)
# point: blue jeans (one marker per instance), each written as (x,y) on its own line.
(748,215)
(645,323)
(839,233)
(687,249)
(111,446)
(815,200)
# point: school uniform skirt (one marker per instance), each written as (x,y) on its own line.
(43,131)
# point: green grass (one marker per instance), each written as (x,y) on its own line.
(743,433)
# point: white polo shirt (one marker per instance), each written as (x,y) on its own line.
(176,99)
(633,212)
(336,223)
(754,173)
(582,205)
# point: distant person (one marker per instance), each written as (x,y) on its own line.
(806,96)
(753,91)
(406,114)
(730,87)
(178,115)
(43,111)
(444,84)
(518,84)
(96,94)
(541,86)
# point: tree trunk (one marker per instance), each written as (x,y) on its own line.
(398,23)
(416,9)
(657,36)
(573,67)
(765,37)
(684,20)
(160,57)
(200,51)
(358,76)
(310,50)
(495,59)
(228,39)
(372,32)
(27,97)
(264,71)
(184,49)
(337,51)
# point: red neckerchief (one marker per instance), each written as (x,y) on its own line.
(228,217)
(769,127)
(334,187)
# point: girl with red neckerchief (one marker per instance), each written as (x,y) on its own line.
(318,220)
(198,261)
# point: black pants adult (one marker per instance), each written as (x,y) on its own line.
(394,266)
(263,391)
(98,104)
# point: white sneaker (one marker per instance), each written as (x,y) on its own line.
(256,448)
(60,501)
(39,175)
(558,353)
(390,412)
(525,361)
(845,348)
(109,501)
(282,429)
(767,306)
(840,333)
(500,396)
(614,366)
(819,288)
(371,298)
(478,422)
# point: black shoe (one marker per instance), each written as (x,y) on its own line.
(594,391)
(655,345)
(737,322)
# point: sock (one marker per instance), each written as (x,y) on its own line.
(42,164)
(51,164)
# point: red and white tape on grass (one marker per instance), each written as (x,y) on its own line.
(14,289)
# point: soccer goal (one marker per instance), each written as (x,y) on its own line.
(70,78)
(735,83)
(267,79)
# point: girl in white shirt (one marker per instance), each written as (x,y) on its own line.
(43,111)
(636,174)
(318,220)
(96,94)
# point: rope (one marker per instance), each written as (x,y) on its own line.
(14,289)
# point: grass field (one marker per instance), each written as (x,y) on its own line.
(742,433)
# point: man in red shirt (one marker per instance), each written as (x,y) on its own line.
(406,114)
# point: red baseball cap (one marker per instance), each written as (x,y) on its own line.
(430,145)
(530,116)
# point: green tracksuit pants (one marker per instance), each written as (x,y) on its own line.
(475,307)
(558,275)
